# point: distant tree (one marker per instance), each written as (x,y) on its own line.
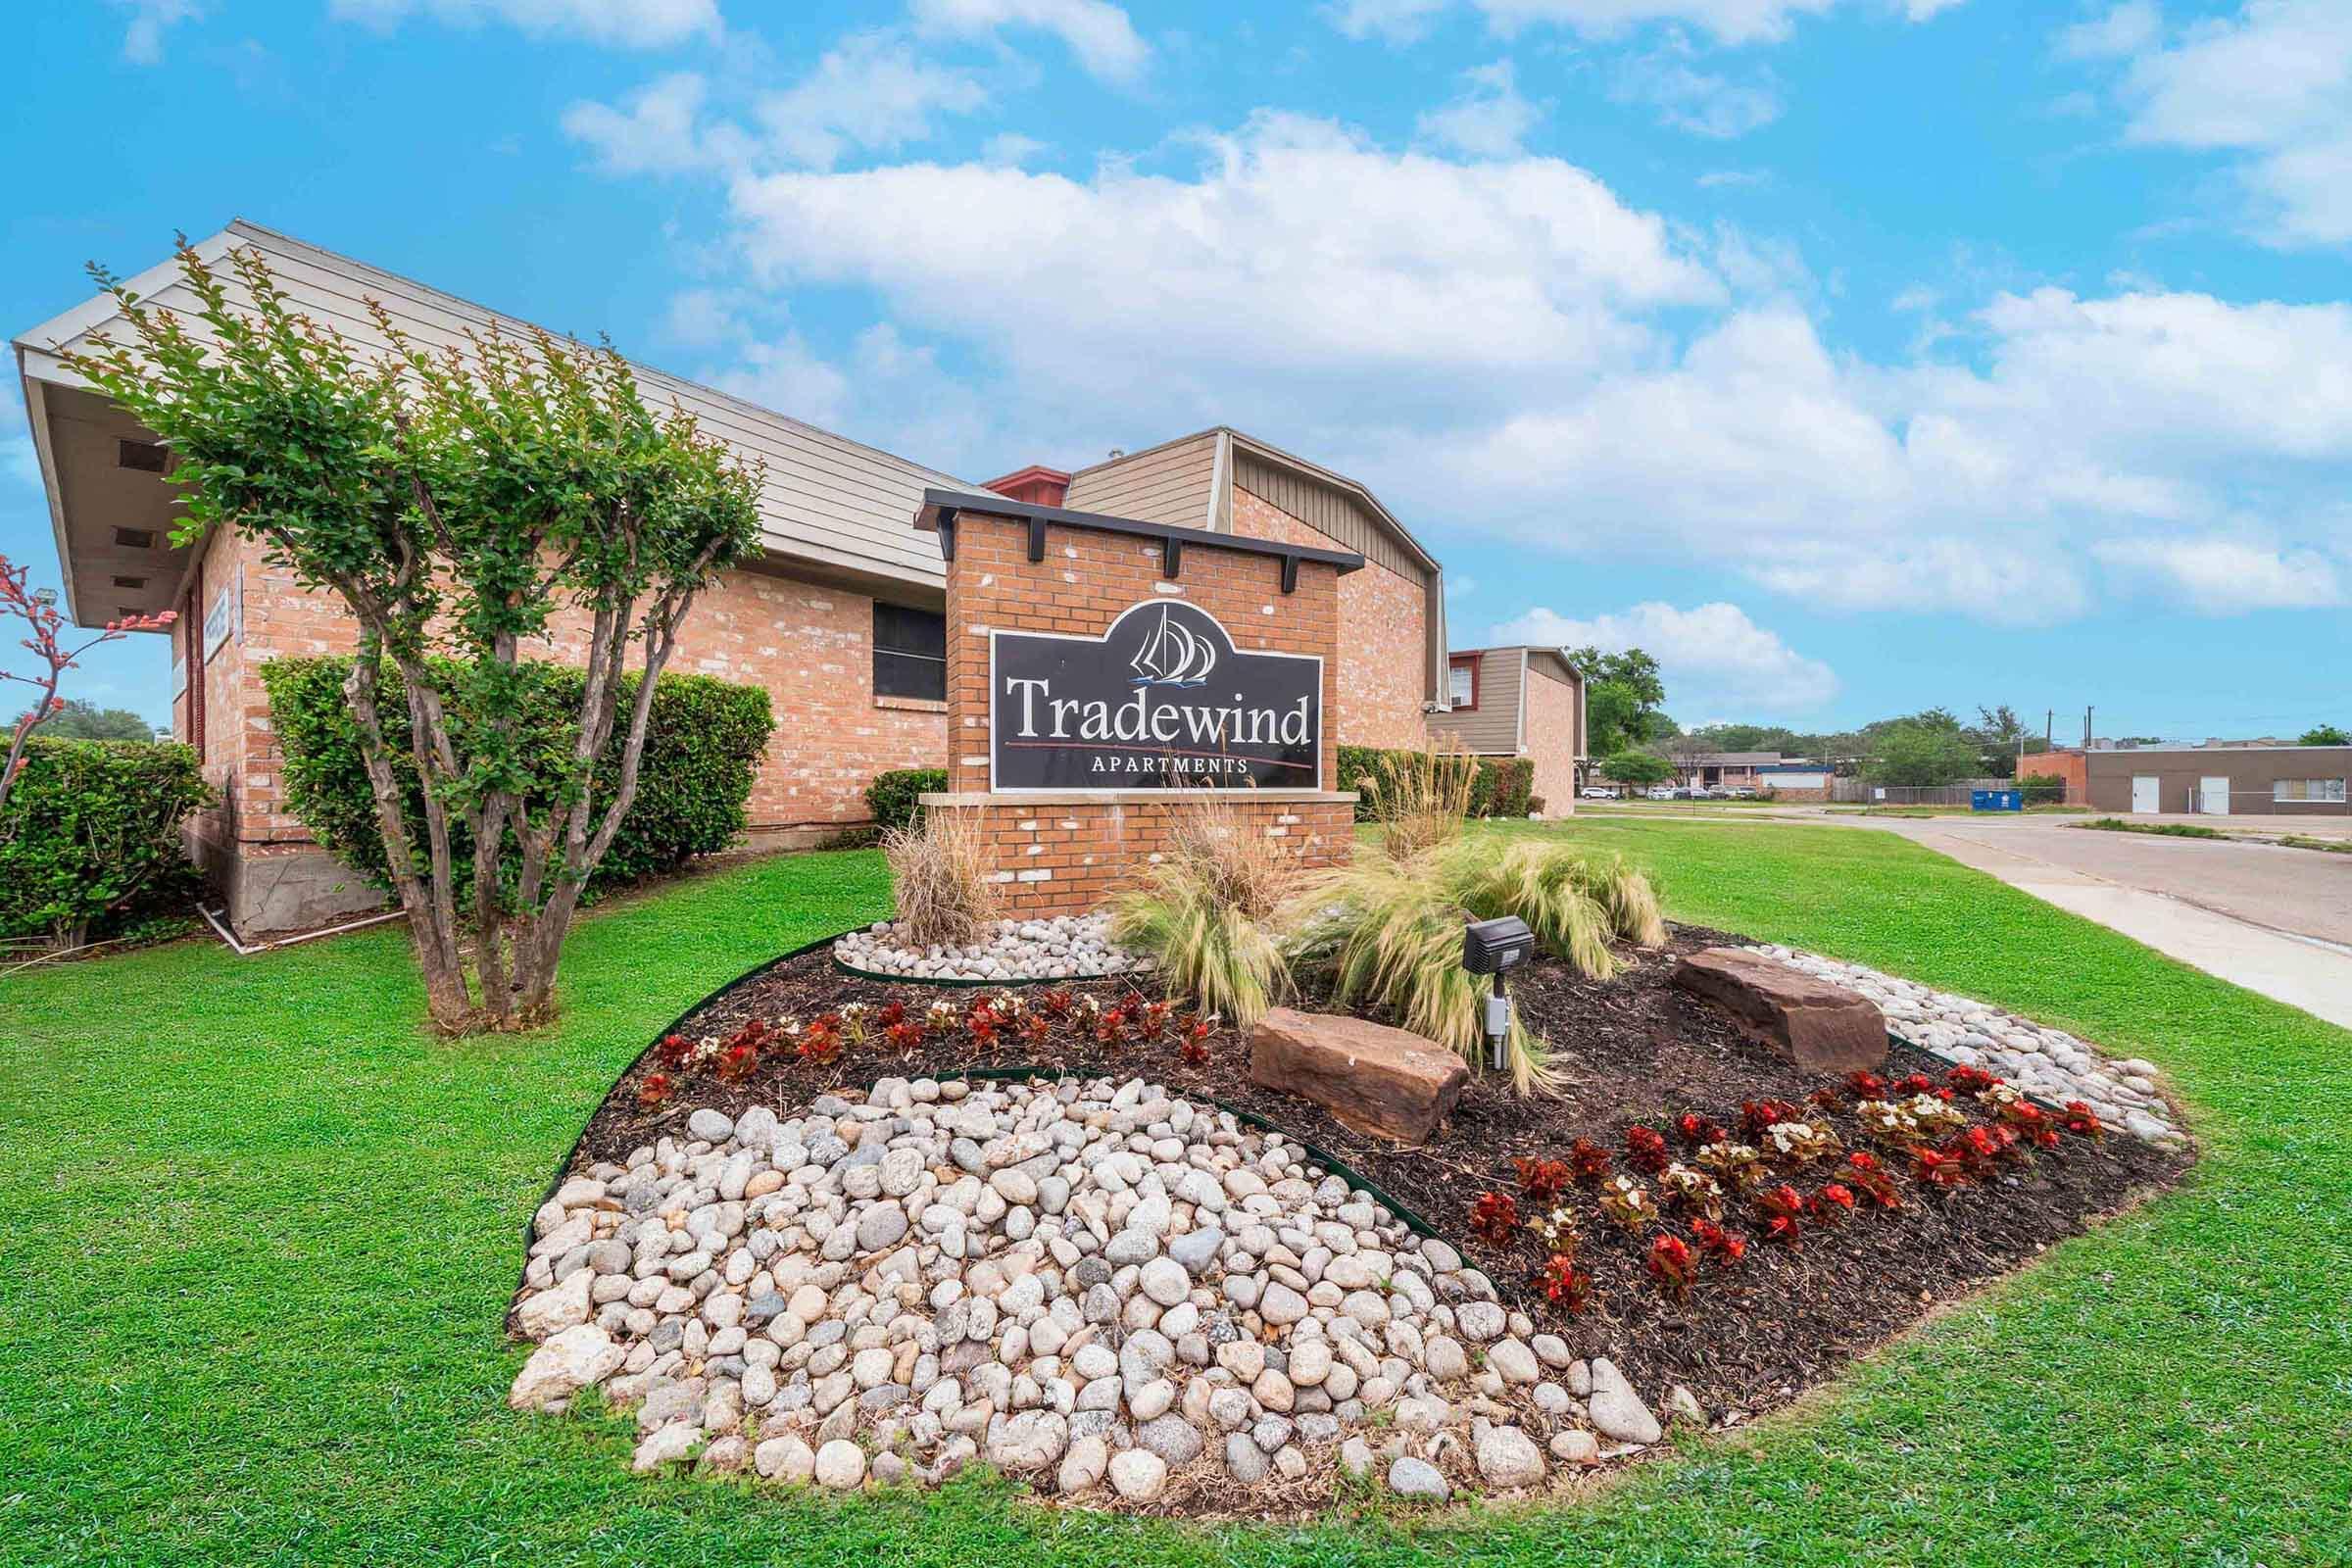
(1913,752)
(78,720)
(46,639)
(1611,715)
(2326,735)
(1636,770)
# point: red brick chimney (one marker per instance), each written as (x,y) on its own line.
(1036,484)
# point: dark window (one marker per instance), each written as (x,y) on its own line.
(911,653)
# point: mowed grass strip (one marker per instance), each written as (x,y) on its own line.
(261,1232)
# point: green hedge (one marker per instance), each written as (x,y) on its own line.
(895,796)
(91,833)
(1501,788)
(702,745)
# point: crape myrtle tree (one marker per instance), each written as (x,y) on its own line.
(46,638)
(457,501)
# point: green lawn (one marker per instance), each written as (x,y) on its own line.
(260,1233)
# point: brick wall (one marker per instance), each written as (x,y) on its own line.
(2073,767)
(1054,852)
(1384,642)
(1551,740)
(808,646)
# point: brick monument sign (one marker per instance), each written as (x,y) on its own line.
(1102,674)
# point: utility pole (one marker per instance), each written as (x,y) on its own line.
(2049,726)
(2086,729)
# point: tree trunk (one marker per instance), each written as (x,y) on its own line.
(435,938)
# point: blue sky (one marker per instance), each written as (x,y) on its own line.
(1852,355)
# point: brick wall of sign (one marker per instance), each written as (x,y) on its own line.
(1053,853)
(1383,657)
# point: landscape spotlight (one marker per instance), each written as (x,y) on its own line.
(1497,946)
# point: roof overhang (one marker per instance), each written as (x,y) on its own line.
(939,508)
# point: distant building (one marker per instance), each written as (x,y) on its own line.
(1789,777)
(1519,702)
(2215,779)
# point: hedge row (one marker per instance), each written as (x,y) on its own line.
(1501,788)
(703,744)
(91,833)
(894,796)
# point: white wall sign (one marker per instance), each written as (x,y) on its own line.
(220,620)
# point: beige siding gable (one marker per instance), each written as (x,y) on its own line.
(1166,484)
(1491,728)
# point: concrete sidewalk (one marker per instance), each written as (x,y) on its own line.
(2158,901)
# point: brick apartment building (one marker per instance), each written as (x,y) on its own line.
(841,618)
(1520,702)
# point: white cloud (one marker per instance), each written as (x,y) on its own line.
(1712,657)
(1728,20)
(1490,119)
(1395,21)
(624,23)
(2120,33)
(870,92)
(1721,178)
(1098,33)
(1687,98)
(2271,86)
(1009,147)
(2222,575)
(702,316)
(150,20)
(1502,346)
(655,131)
(1296,250)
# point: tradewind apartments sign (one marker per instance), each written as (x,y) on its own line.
(1161,701)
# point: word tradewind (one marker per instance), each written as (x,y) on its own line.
(1152,728)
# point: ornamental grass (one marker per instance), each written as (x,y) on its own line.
(1207,914)
(939,874)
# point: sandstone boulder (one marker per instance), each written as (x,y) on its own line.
(1819,1026)
(1373,1078)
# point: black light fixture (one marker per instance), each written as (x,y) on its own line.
(1497,946)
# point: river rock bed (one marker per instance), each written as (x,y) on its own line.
(2050,1063)
(1064,946)
(1096,1286)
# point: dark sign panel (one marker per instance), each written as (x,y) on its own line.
(1161,701)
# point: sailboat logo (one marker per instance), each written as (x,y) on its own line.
(1172,656)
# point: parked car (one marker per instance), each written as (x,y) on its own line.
(1660,792)
(1699,791)
(1595,792)
(1741,793)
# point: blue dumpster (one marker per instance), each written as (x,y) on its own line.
(1996,799)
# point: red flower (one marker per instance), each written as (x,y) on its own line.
(2083,1121)
(904,1035)
(1834,1201)
(1494,1217)
(1865,1086)
(1589,1162)
(1757,1115)
(1564,1287)
(1055,1002)
(1669,1265)
(654,1089)
(891,1014)
(1865,1172)
(674,1050)
(1646,1149)
(819,1047)
(1193,1050)
(1723,1249)
(1782,1210)
(736,1062)
(1542,1180)
(1970,1080)
(1693,1129)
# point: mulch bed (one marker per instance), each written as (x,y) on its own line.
(1629,1049)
